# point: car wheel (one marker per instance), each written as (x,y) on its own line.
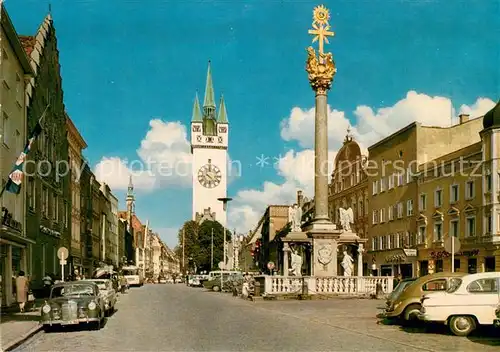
(216,288)
(410,312)
(462,325)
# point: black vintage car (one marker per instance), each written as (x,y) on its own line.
(72,303)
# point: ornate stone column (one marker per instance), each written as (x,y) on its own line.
(286,257)
(320,69)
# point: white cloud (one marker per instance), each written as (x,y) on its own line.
(297,167)
(164,160)
(479,108)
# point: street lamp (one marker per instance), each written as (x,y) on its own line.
(224,207)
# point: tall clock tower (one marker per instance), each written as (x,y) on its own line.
(209,143)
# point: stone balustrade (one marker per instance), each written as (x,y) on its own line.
(328,285)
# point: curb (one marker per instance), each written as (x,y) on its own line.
(16,343)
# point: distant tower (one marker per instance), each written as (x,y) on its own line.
(209,144)
(130,200)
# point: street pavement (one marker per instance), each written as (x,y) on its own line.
(178,318)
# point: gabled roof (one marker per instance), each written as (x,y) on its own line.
(14,40)
(469,208)
(453,211)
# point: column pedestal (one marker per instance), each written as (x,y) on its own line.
(324,251)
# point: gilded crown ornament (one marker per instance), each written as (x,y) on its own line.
(320,68)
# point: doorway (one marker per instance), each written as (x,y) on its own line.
(406,270)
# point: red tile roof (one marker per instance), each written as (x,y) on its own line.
(28,43)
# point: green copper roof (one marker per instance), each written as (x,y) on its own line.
(222,111)
(196,110)
(209,100)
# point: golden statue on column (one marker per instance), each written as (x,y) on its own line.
(320,68)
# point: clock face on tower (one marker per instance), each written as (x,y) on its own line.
(209,175)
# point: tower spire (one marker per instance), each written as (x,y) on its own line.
(196,110)
(222,118)
(209,101)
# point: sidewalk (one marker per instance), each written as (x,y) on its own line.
(16,327)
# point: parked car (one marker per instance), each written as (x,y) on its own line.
(407,305)
(108,293)
(469,303)
(72,303)
(403,284)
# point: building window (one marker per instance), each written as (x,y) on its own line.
(400,179)
(390,211)
(4,129)
(454,228)
(469,190)
(422,203)
(457,264)
(471,226)
(438,198)
(454,192)
(391,181)
(45,201)
(31,192)
(488,182)
(400,210)
(375,187)
(382,184)
(54,206)
(489,224)
(409,207)
(438,232)
(382,215)
(375,217)
(409,175)
(383,244)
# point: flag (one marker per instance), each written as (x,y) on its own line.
(13,184)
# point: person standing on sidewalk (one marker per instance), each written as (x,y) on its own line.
(21,290)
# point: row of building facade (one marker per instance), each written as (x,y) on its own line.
(61,204)
(414,190)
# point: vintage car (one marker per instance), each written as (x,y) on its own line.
(108,294)
(407,305)
(398,290)
(470,302)
(72,303)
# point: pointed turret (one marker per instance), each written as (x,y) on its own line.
(222,118)
(196,110)
(209,101)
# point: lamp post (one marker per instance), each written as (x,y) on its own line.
(224,201)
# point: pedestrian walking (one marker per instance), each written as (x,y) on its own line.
(22,286)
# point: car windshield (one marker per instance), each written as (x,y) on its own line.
(101,284)
(72,290)
(130,272)
(454,285)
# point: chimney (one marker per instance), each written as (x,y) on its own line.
(463,118)
(300,199)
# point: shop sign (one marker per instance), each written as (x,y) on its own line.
(444,254)
(410,252)
(8,220)
(396,258)
(50,232)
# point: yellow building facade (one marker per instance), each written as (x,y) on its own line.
(407,232)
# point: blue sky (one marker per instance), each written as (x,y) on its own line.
(125,63)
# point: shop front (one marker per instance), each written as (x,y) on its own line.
(15,252)
(394,262)
(473,258)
